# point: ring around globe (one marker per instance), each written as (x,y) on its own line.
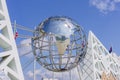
(59,44)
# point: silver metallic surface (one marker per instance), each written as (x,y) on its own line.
(59,44)
(59,26)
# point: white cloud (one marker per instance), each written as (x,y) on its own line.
(105,6)
(43,73)
(37,72)
(30,74)
(25,48)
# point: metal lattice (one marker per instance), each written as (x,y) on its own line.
(46,50)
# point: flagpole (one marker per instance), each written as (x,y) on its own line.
(14,27)
(15,30)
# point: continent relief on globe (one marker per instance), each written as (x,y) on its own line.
(62,43)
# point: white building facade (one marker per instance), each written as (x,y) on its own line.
(98,63)
(10,67)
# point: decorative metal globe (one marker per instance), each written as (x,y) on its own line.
(59,44)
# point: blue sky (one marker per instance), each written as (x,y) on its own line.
(100,16)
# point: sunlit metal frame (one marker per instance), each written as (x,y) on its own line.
(51,65)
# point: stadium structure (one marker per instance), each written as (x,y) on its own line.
(98,63)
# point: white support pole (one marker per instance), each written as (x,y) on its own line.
(62,75)
(70,75)
(80,76)
(53,75)
(34,72)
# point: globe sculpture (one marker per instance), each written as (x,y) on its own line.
(59,44)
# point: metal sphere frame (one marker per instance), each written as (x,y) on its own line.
(45,48)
